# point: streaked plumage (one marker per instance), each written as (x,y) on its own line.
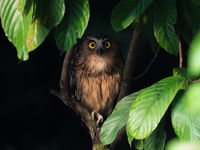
(96,73)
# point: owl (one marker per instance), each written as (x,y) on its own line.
(96,69)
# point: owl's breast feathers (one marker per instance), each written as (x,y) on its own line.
(97,82)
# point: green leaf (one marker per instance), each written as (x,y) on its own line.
(156,141)
(49,12)
(150,106)
(127,11)
(27,23)
(186,115)
(15,24)
(47,15)
(73,25)
(117,119)
(180,145)
(194,57)
(164,21)
(21,5)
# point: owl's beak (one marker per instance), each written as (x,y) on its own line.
(99,51)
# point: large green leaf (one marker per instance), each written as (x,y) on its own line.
(50,12)
(180,145)
(16,24)
(27,23)
(47,15)
(127,11)
(150,106)
(117,119)
(164,21)
(186,114)
(73,25)
(156,141)
(194,57)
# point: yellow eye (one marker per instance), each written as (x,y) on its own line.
(92,45)
(107,44)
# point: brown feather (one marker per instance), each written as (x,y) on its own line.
(97,78)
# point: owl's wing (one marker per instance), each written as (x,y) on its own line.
(67,80)
(72,79)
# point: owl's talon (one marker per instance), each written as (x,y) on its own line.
(98,117)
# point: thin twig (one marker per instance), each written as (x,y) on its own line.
(180,55)
(146,69)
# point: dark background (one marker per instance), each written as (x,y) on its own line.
(33,119)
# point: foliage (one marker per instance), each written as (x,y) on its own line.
(176,144)
(27,23)
(150,104)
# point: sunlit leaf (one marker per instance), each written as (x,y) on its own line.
(180,145)
(193,57)
(117,119)
(21,5)
(164,21)
(126,11)
(15,25)
(73,25)
(25,25)
(186,115)
(150,106)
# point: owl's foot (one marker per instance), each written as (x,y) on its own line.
(98,117)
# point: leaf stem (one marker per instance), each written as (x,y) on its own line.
(180,55)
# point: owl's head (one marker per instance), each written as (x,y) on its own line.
(98,45)
(98,53)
